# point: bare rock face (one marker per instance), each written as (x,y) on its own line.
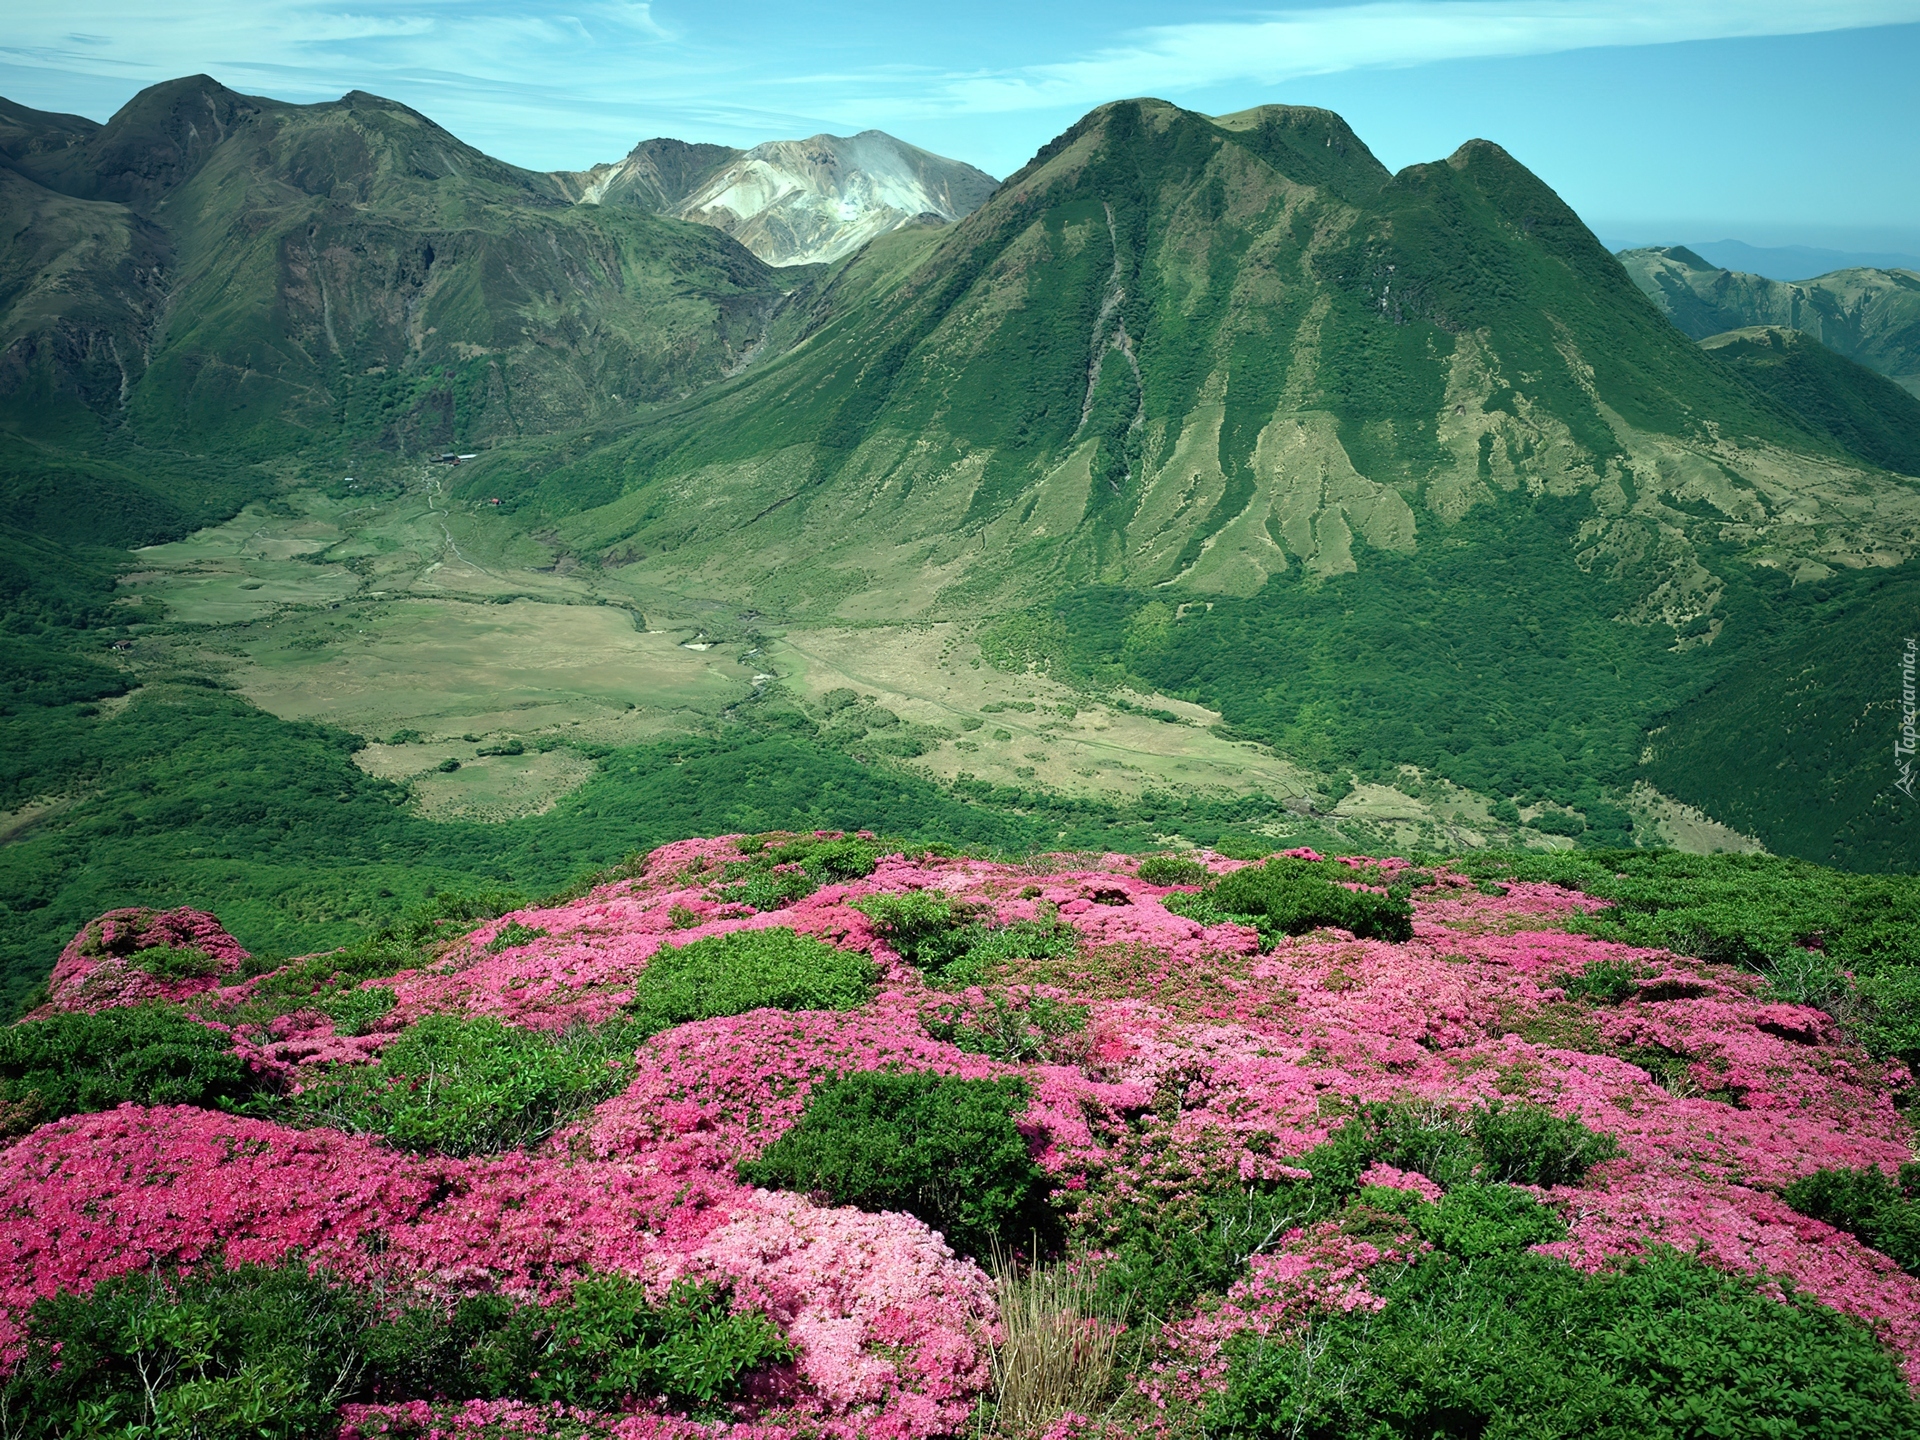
(791,202)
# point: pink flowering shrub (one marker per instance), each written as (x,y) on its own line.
(120,959)
(1197,1070)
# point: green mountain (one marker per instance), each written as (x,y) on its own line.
(1401,475)
(212,273)
(1865,413)
(1869,316)
(654,176)
(1389,468)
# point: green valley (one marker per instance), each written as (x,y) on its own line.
(1208,483)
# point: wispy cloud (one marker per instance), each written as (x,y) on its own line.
(1286,45)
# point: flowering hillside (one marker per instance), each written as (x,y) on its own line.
(790,1135)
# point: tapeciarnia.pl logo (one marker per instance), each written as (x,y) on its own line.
(1903,746)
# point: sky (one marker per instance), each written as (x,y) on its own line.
(1658,120)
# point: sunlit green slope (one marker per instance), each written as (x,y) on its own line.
(1390,468)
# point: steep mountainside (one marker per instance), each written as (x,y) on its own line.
(655,175)
(1391,468)
(1864,412)
(211,272)
(1869,316)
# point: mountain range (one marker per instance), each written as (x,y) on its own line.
(1400,475)
(1869,315)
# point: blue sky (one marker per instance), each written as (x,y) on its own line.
(1777,123)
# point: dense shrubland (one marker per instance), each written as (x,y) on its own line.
(724,1137)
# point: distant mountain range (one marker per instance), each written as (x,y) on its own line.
(791,202)
(1390,469)
(1868,315)
(1785,262)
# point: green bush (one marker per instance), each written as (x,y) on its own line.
(166,963)
(1517,1345)
(1165,1254)
(942,1148)
(458,1086)
(952,944)
(742,970)
(774,876)
(254,1351)
(259,1351)
(1173,870)
(511,936)
(1473,1220)
(607,1343)
(1290,896)
(407,944)
(1609,981)
(1014,1034)
(145,1054)
(1874,1208)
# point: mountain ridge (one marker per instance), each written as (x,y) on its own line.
(1868,315)
(791,202)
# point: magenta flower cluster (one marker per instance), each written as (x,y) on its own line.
(1203,1061)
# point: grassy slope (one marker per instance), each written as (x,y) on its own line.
(1864,412)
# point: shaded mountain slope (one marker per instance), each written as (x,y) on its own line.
(242,275)
(1864,412)
(1869,316)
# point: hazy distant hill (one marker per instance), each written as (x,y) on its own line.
(791,202)
(1871,316)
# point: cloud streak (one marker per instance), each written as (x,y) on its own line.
(1288,45)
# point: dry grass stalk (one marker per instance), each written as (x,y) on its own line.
(1058,1348)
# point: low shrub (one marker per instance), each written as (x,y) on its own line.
(271,1351)
(167,963)
(1517,1344)
(254,1351)
(1474,1220)
(1290,896)
(608,1343)
(1608,981)
(1166,1254)
(458,1086)
(511,936)
(1016,1034)
(774,876)
(407,944)
(150,1054)
(942,1148)
(953,944)
(1173,870)
(746,970)
(1875,1208)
